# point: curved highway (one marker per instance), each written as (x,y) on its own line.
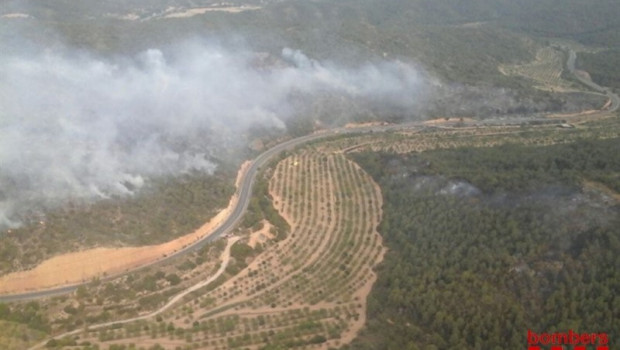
(615,99)
(245,190)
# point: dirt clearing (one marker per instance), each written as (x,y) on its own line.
(78,267)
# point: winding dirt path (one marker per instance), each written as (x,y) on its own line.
(225,260)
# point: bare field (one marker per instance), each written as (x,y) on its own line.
(261,236)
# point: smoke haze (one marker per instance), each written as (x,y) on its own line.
(75,126)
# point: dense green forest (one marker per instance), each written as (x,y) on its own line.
(602,66)
(485,244)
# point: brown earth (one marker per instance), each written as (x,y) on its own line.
(307,189)
(82,266)
(262,235)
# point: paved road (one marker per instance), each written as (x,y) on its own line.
(615,99)
(245,191)
(224,264)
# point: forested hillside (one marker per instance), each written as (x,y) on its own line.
(485,244)
(602,67)
(348,30)
(462,43)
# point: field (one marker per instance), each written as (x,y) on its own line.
(307,289)
(303,284)
(545,70)
(333,252)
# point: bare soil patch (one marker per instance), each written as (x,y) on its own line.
(261,236)
(78,267)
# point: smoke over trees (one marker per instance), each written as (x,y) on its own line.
(78,126)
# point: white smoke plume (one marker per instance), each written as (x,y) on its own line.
(75,126)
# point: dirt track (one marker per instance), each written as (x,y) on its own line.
(225,259)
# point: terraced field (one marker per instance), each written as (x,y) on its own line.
(308,290)
(546,70)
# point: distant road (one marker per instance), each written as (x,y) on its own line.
(570,64)
(245,190)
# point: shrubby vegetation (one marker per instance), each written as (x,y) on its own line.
(461,42)
(29,314)
(602,66)
(105,301)
(475,269)
(261,208)
(524,169)
(17,336)
(240,252)
(525,248)
(165,210)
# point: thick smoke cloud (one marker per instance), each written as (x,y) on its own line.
(74,126)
